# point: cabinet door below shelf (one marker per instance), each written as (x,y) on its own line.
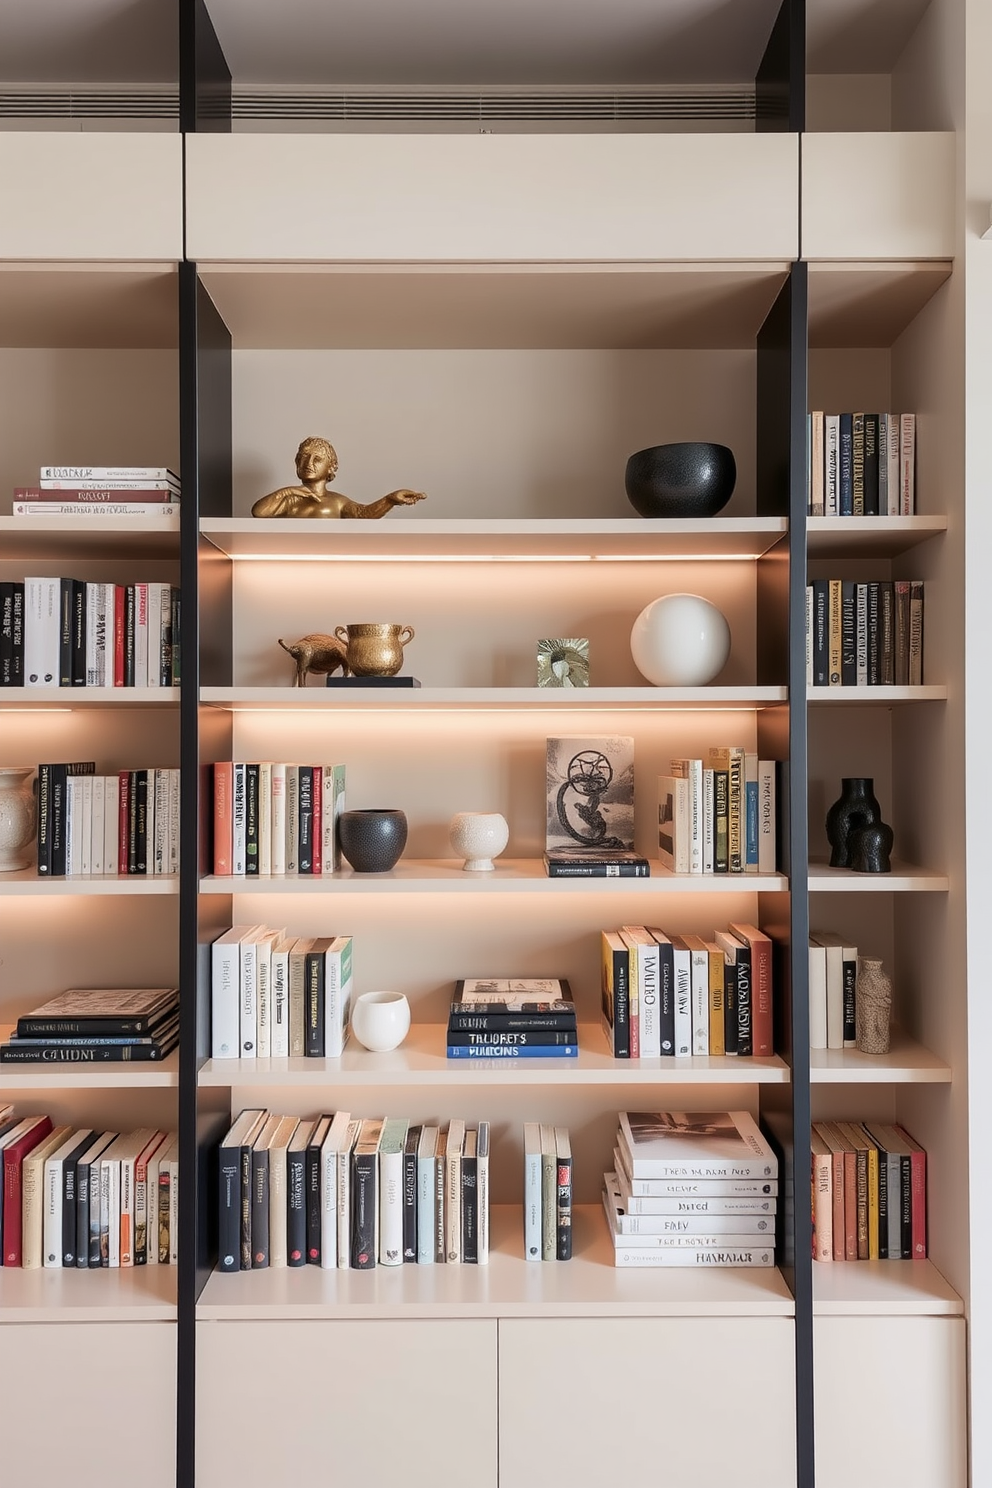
(370,1401)
(706,1401)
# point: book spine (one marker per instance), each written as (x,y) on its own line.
(330,1247)
(821,633)
(248,1005)
(70,1173)
(834,603)
(410,1202)
(831,458)
(845,479)
(82,1236)
(251,820)
(364,1207)
(45,820)
(564,1207)
(730,1018)
(317,824)
(305,829)
(223,817)
(874,638)
(296,1207)
(278,824)
(315,1005)
(314,1208)
(907,464)
(470,1209)
(721,821)
(858,464)
(259,1210)
(561,869)
(849,634)
(229,1209)
(425,1209)
(872,475)
(440,1214)
(532,1199)
(683,1004)
(549,1202)
(453,1202)
(816,497)
(916,633)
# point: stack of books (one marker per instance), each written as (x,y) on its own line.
(87,1199)
(718,815)
(547,1193)
(150,491)
(63,632)
(100,825)
(676,996)
(869,1184)
(273,819)
(692,1188)
(275,995)
(861,464)
(864,635)
(512,1018)
(95,1025)
(341,1192)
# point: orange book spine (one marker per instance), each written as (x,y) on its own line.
(762,1020)
(839,1224)
(223,817)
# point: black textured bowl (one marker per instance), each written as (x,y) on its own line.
(681,480)
(372,841)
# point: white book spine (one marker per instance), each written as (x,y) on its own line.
(631,1257)
(160,840)
(42,632)
(707,821)
(248,1021)
(174,823)
(453,1192)
(893,502)
(695,817)
(52,1220)
(97,823)
(173,1211)
(337,998)
(106,477)
(105,635)
(831,453)
(482,1200)
(817,997)
(328,1208)
(225,982)
(700,975)
(113,1225)
(682,825)
(766,816)
(391,1208)
(835,997)
(154,661)
(141,635)
(265,820)
(127,1212)
(425,1210)
(907,464)
(85,834)
(73,823)
(279,983)
(278,822)
(683,1004)
(263,999)
(344,1198)
(111,809)
(649,1001)
(292,818)
(532,1192)
(238,821)
(94,593)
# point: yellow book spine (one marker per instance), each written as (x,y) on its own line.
(717,1032)
(873,1251)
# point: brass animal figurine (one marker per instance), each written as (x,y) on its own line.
(316,464)
(317,653)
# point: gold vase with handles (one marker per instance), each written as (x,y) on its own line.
(374,650)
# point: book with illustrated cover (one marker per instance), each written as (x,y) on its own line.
(99,1011)
(499,996)
(364,1196)
(563,1194)
(700,1144)
(590,795)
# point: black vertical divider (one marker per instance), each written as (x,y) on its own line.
(781,624)
(204,76)
(780,82)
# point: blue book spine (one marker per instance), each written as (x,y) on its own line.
(501,1051)
(845,483)
(751,824)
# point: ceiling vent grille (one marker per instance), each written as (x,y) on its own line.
(484,109)
(89,103)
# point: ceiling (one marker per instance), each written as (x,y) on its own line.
(443,42)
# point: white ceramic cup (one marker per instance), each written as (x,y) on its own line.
(380,1021)
(478,837)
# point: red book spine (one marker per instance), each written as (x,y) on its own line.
(118,635)
(762,1021)
(84,494)
(318,811)
(837,1191)
(918,1196)
(123,819)
(13,1157)
(223,817)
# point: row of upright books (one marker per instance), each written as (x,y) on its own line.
(59,632)
(861,464)
(691,1189)
(864,635)
(85,1198)
(277,995)
(680,995)
(92,1025)
(718,815)
(512,1018)
(274,819)
(548,1187)
(341,1192)
(833,991)
(150,491)
(869,1187)
(107,825)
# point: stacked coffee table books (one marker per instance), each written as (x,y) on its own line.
(512,1018)
(692,1189)
(97,1025)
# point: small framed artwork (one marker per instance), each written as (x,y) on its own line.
(563,662)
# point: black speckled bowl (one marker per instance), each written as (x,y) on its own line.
(681,480)
(372,841)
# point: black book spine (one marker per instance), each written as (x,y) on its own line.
(45,819)
(363,1206)
(906,1205)
(721,821)
(251,819)
(164,643)
(666,999)
(130,623)
(246,1205)
(57,793)
(229,1209)
(305,846)
(564,1193)
(512,1040)
(410,1195)
(850,1001)
(6,635)
(296,1207)
(93,1244)
(621,1004)
(17,636)
(821,633)
(562,868)
(849,634)
(440,1249)
(731,1026)
(259,1209)
(470,1210)
(462,1022)
(845,474)
(78,633)
(82,1236)
(54,1053)
(883,1206)
(315,1004)
(176,634)
(745,1027)
(144,1027)
(887,625)
(874,638)
(70,1169)
(65,632)
(141,822)
(871,464)
(312,1180)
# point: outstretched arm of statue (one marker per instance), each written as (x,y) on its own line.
(381,508)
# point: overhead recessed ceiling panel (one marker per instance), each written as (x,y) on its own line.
(89,41)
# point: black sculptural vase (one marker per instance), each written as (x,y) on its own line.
(372,840)
(870,848)
(856,808)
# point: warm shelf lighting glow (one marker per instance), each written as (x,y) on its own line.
(493,557)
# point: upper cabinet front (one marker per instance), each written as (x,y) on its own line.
(100,197)
(506,198)
(879,196)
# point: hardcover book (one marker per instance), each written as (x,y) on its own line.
(696,1144)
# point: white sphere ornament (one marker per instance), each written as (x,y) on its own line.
(380,1021)
(680,640)
(478,837)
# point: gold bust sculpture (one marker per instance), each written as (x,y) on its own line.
(316,464)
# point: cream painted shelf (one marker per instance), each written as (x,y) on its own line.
(106,1075)
(869,304)
(589,1285)
(869,537)
(26,881)
(907,1063)
(128,1294)
(424,540)
(422,1061)
(50,538)
(511,875)
(67,699)
(880,696)
(499,699)
(882,1289)
(905,878)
